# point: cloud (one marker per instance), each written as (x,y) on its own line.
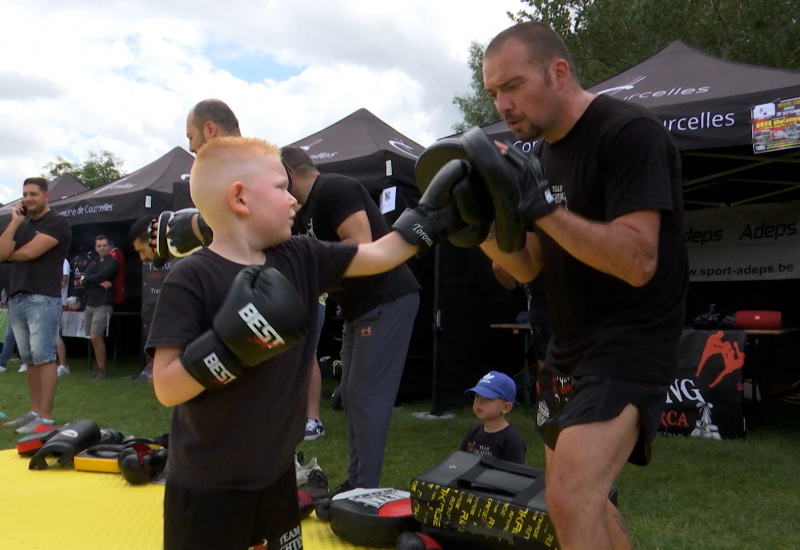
(121,76)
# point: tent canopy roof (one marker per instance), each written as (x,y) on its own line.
(357,135)
(364,147)
(680,74)
(707,103)
(148,189)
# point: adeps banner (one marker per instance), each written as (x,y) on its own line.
(744,243)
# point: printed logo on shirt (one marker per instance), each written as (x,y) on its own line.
(478,449)
(366,331)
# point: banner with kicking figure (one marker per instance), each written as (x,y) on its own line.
(705,399)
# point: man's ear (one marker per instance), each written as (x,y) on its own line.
(209,130)
(560,69)
(237,198)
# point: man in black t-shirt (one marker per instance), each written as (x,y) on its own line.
(616,275)
(36,241)
(378,311)
(100,294)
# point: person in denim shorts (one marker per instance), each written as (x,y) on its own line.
(36,241)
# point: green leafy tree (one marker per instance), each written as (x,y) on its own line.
(97,170)
(608,36)
(476,107)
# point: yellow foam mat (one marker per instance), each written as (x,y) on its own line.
(70,509)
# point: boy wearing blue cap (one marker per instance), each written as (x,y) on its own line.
(494,398)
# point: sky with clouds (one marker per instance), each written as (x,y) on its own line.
(95,75)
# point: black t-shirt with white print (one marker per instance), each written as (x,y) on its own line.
(242,436)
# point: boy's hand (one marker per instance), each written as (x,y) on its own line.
(262,316)
(450,206)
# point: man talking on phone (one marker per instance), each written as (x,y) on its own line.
(36,241)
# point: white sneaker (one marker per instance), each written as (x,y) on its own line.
(2,369)
(30,427)
(23,367)
(62,370)
(22,420)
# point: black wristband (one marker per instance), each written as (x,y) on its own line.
(208,361)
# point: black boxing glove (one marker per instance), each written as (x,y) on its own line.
(424,224)
(474,207)
(537,199)
(173,236)
(182,237)
(140,463)
(71,439)
(261,317)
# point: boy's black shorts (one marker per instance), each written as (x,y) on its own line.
(233,519)
(564,401)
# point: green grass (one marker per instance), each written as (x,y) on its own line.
(697,494)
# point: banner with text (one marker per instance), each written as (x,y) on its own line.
(706,398)
(757,242)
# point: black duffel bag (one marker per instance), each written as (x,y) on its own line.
(489,502)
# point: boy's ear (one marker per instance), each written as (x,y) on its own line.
(507,406)
(236,198)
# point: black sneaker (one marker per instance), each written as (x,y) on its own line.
(344,487)
(314,429)
(317,484)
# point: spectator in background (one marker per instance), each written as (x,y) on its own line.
(494,398)
(139,237)
(9,344)
(119,282)
(100,295)
(61,348)
(378,311)
(36,240)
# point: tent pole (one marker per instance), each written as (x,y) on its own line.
(437,327)
(436,413)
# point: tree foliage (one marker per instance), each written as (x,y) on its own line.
(606,37)
(477,107)
(97,170)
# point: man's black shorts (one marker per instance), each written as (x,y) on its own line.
(564,401)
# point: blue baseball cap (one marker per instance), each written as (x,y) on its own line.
(495,384)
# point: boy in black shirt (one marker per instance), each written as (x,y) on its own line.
(247,300)
(494,399)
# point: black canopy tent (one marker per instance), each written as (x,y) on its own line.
(365,148)
(382,159)
(62,187)
(147,190)
(706,103)
(111,209)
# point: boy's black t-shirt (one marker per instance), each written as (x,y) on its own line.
(242,436)
(617,159)
(333,199)
(507,444)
